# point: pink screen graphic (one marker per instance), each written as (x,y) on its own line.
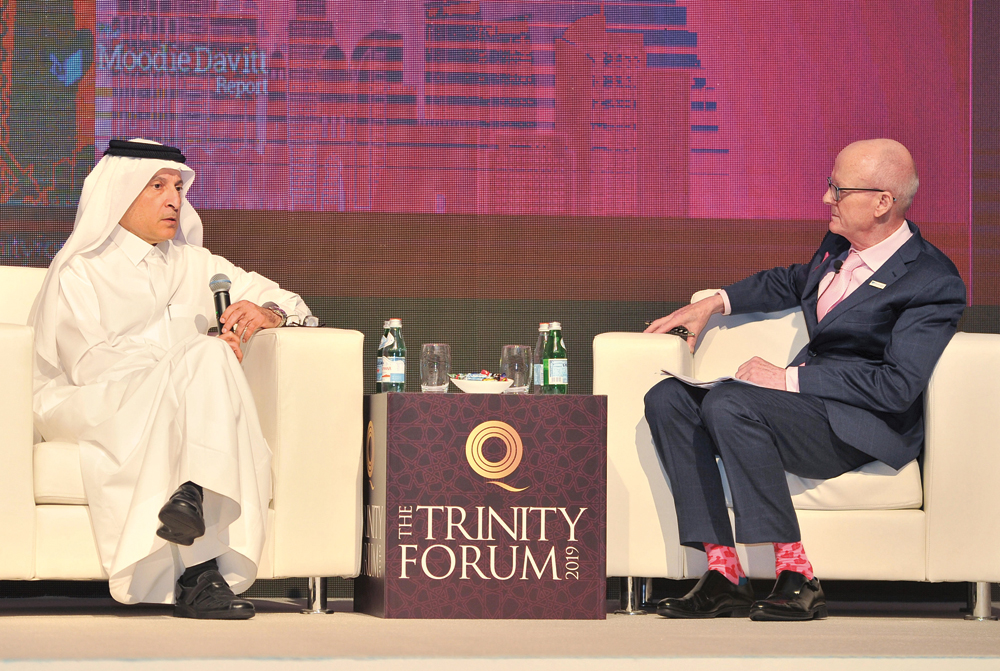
(659,108)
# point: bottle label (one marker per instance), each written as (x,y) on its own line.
(393,369)
(558,371)
(378,369)
(387,341)
(539,374)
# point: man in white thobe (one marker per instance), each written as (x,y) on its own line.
(175,467)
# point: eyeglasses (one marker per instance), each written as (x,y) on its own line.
(311,321)
(837,189)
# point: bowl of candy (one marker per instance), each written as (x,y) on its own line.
(483,382)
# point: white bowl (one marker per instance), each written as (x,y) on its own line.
(482,386)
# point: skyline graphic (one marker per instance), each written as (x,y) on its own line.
(492,122)
(631,108)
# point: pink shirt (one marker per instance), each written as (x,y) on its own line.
(874,258)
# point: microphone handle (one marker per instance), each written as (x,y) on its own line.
(221,303)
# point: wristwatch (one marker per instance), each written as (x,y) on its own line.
(273,307)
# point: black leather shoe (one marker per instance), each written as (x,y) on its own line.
(211,599)
(713,596)
(793,598)
(181,517)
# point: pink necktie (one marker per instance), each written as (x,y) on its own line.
(837,289)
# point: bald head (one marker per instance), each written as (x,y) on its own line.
(885,164)
(876,181)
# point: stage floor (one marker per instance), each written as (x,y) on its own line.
(57,633)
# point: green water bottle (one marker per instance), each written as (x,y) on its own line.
(394,358)
(538,355)
(378,357)
(555,368)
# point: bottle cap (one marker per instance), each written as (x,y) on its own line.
(543,326)
(393,323)
(555,326)
(385,324)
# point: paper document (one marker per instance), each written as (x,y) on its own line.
(705,384)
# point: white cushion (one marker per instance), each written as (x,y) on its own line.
(17,504)
(874,486)
(729,341)
(18,288)
(308,388)
(65,546)
(57,474)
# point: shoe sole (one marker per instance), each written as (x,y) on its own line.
(241,614)
(179,528)
(819,613)
(686,615)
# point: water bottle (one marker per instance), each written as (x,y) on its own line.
(378,357)
(538,355)
(394,358)
(555,369)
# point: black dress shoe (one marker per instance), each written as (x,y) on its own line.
(713,596)
(181,517)
(211,599)
(793,598)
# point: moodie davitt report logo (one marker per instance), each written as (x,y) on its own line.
(494,471)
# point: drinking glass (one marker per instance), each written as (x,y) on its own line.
(435,364)
(516,364)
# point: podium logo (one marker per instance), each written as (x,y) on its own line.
(370,453)
(494,471)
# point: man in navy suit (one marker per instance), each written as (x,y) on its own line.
(880,305)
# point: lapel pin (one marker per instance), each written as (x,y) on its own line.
(877,285)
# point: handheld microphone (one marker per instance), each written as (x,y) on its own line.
(219,284)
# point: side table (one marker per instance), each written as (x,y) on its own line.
(484,506)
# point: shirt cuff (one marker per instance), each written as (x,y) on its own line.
(792,379)
(725,301)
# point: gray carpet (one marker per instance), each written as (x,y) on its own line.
(34,633)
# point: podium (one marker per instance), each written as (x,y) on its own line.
(484,506)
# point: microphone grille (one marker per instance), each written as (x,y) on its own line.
(219,283)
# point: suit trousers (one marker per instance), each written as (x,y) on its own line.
(759,434)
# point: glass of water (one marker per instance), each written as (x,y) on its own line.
(515,363)
(435,364)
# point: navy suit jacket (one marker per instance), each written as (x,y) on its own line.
(871,357)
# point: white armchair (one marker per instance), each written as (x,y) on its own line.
(938,525)
(307,384)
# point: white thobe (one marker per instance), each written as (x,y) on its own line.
(153,403)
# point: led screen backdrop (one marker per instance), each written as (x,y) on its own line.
(627,107)
(626,151)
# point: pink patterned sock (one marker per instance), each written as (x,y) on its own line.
(723,559)
(792,557)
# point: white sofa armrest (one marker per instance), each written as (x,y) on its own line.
(642,526)
(17,499)
(308,387)
(962,461)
